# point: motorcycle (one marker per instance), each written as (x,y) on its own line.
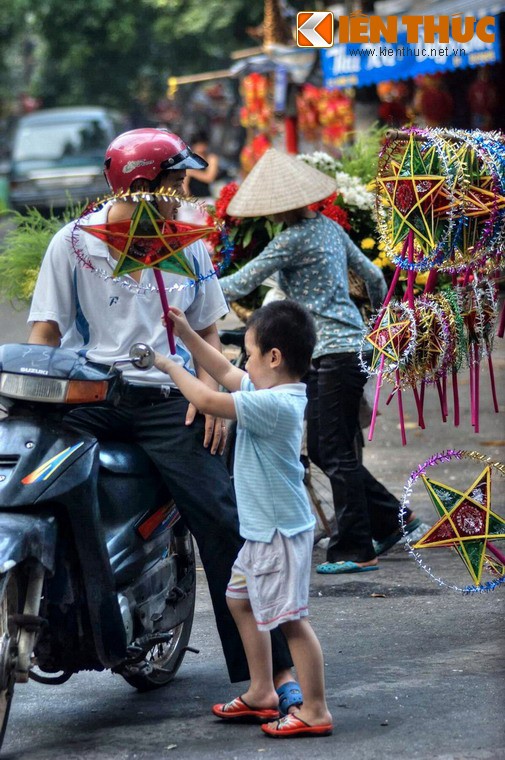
(97,571)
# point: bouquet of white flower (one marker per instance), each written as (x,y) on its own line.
(354,192)
(321,161)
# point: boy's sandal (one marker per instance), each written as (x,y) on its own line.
(292,725)
(290,695)
(382,546)
(237,708)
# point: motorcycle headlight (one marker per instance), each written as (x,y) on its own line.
(51,389)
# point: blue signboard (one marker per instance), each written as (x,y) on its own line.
(357,65)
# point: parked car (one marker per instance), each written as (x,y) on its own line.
(57,156)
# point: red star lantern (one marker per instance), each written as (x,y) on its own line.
(149,240)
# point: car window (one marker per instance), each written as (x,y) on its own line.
(58,141)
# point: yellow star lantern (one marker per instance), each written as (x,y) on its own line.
(467,522)
(431,344)
(390,338)
(411,191)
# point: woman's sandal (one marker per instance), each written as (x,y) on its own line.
(337,568)
(290,695)
(387,543)
(292,725)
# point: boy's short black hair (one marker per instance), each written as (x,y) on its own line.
(288,326)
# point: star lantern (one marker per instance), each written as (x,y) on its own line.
(413,193)
(148,240)
(467,523)
(431,344)
(478,195)
(390,338)
(393,337)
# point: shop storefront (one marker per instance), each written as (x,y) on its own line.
(428,79)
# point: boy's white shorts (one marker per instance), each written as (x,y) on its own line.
(275,577)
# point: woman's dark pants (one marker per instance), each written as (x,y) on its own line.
(364,508)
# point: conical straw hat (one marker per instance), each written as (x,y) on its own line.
(278,183)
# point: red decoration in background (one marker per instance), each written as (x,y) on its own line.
(393,97)
(256,111)
(252,152)
(432,101)
(324,113)
(225,196)
(484,100)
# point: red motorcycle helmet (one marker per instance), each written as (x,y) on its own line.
(144,154)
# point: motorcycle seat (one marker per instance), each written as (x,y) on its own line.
(125,458)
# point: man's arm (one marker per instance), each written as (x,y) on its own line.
(205,348)
(199,394)
(45,334)
(209,343)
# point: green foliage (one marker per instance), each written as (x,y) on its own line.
(102,52)
(96,52)
(13,25)
(360,158)
(25,240)
(210,30)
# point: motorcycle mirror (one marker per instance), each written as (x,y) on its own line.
(142,356)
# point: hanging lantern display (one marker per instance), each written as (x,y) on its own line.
(440,205)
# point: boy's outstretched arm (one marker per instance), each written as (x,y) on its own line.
(204,398)
(205,355)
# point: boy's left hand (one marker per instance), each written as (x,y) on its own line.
(215,430)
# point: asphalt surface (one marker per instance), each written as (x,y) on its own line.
(414,670)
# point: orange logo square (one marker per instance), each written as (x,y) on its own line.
(314,29)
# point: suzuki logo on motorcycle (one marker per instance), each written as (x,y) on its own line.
(34,371)
(45,470)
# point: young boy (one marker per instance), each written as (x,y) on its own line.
(269,584)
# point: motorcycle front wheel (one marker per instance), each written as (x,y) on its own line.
(9,605)
(162,661)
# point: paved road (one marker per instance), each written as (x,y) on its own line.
(414,671)
(13,327)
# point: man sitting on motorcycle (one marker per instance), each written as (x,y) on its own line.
(85,309)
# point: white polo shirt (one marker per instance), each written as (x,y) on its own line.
(102,319)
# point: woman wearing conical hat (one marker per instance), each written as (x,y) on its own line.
(312,256)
